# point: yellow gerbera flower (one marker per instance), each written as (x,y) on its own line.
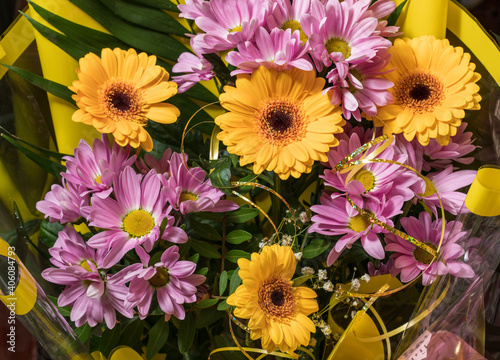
(118,92)
(279,121)
(434,83)
(277,310)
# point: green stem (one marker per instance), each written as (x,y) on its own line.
(277,204)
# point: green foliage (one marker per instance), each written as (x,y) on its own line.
(157,337)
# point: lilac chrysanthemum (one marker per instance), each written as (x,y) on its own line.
(410,260)
(149,162)
(380,9)
(335,216)
(188,190)
(96,167)
(64,204)
(93,297)
(361,89)
(171,279)
(279,50)
(285,14)
(338,33)
(194,68)
(134,218)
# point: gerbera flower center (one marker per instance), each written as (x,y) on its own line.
(423,256)
(121,100)
(282,121)
(138,223)
(359,223)
(295,25)
(366,178)
(419,92)
(276,299)
(338,45)
(187,196)
(161,277)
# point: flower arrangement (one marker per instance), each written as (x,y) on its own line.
(244,148)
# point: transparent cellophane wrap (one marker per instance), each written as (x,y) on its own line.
(446,321)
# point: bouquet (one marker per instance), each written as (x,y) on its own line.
(233,178)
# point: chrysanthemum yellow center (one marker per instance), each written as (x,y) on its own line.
(419,92)
(295,25)
(366,178)
(282,122)
(85,264)
(121,100)
(338,45)
(187,196)
(276,299)
(423,256)
(97,179)
(138,223)
(359,223)
(236,29)
(160,278)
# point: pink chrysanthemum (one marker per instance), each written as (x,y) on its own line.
(195,69)
(287,15)
(279,50)
(338,33)
(380,9)
(188,190)
(149,163)
(134,218)
(361,89)
(446,183)
(225,22)
(96,167)
(171,279)
(94,297)
(410,260)
(382,269)
(335,216)
(64,204)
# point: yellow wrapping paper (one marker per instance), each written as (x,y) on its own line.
(483,197)
(424,17)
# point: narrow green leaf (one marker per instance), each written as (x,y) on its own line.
(207,317)
(83,332)
(49,86)
(315,248)
(56,155)
(207,303)
(157,337)
(222,282)
(64,311)
(302,279)
(50,166)
(137,37)
(234,255)
(238,236)
(221,175)
(194,258)
(90,37)
(110,339)
(206,231)
(187,330)
(202,271)
(159,4)
(242,215)
(132,333)
(393,18)
(223,306)
(49,232)
(205,249)
(234,282)
(147,17)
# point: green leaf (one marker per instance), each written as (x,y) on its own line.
(207,303)
(222,282)
(234,255)
(56,155)
(221,175)
(234,282)
(315,248)
(147,17)
(80,33)
(83,332)
(159,4)
(187,330)
(49,86)
(136,36)
(207,317)
(205,249)
(393,18)
(194,258)
(242,215)
(132,333)
(50,166)
(202,271)
(238,236)
(223,306)
(302,279)
(64,311)
(206,231)
(110,339)
(49,232)
(157,337)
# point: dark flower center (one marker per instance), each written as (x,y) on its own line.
(120,101)
(420,92)
(160,278)
(277,297)
(279,120)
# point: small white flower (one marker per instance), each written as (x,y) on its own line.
(328,286)
(355,284)
(303,217)
(366,277)
(306,270)
(286,240)
(322,274)
(298,256)
(355,303)
(326,330)
(353,313)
